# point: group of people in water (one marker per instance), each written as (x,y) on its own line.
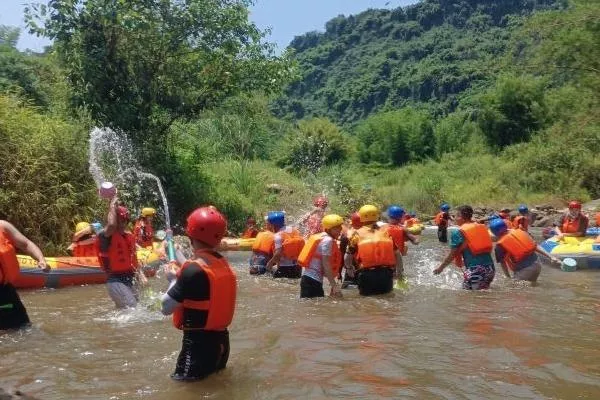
(202,290)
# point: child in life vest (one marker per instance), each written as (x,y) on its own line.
(442,220)
(516,251)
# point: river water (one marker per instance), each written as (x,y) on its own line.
(432,341)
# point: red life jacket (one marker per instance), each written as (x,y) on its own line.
(121,254)
(9,265)
(85,248)
(310,248)
(518,245)
(221,304)
(144,233)
(597,218)
(399,237)
(440,219)
(249,233)
(375,248)
(521,222)
(572,225)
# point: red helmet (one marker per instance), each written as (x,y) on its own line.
(123,213)
(355,218)
(320,201)
(575,204)
(207,225)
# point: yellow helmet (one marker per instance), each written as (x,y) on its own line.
(148,212)
(81,226)
(369,213)
(331,221)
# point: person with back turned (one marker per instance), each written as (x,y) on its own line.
(202,297)
(13,314)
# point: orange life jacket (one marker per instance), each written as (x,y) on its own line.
(521,222)
(292,244)
(518,245)
(221,304)
(264,243)
(9,265)
(398,235)
(440,220)
(85,248)
(144,233)
(121,254)
(375,248)
(571,225)
(411,221)
(597,218)
(309,249)
(477,240)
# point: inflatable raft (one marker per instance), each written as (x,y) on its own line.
(583,250)
(236,244)
(71,271)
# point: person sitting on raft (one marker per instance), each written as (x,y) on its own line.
(412,220)
(201,297)
(263,247)
(83,243)
(287,245)
(471,247)
(516,250)
(521,221)
(442,220)
(118,258)
(13,314)
(251,230)
(320,257)
(573,223)
(310,223)
(344,241)
(143,230)
(379,260)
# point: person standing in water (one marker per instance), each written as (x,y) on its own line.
(516,250)
(521,221)
(263,247)
(442,220)
(143,229)
(310,223)
(13,314)
(471,248)
(379,260)
(321,257)
(344,242)
(287,245)
(118,258)
(201,297)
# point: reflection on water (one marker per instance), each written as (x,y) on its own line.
(430,341)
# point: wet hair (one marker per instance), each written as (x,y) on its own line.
(466,211)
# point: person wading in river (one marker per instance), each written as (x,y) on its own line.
(13,314)
(201,298)
(471,247)
(117,256)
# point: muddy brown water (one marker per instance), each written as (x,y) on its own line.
(432,341)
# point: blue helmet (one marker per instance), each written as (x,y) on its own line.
(395,212)
(445,207)
(276,218)
(523,209)
(498,226)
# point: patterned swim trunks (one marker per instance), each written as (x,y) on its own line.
(478,277)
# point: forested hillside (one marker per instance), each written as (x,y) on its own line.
(428,53)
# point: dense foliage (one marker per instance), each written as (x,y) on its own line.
(473,101)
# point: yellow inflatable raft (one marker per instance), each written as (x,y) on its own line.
(584,250)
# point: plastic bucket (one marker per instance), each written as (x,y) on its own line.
(107,190)
(568,265)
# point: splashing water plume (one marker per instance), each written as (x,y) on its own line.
(111,157)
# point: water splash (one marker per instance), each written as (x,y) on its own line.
(111,158)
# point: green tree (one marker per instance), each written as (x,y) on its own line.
(140,65)
(314,144)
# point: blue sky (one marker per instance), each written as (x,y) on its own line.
(286,18)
